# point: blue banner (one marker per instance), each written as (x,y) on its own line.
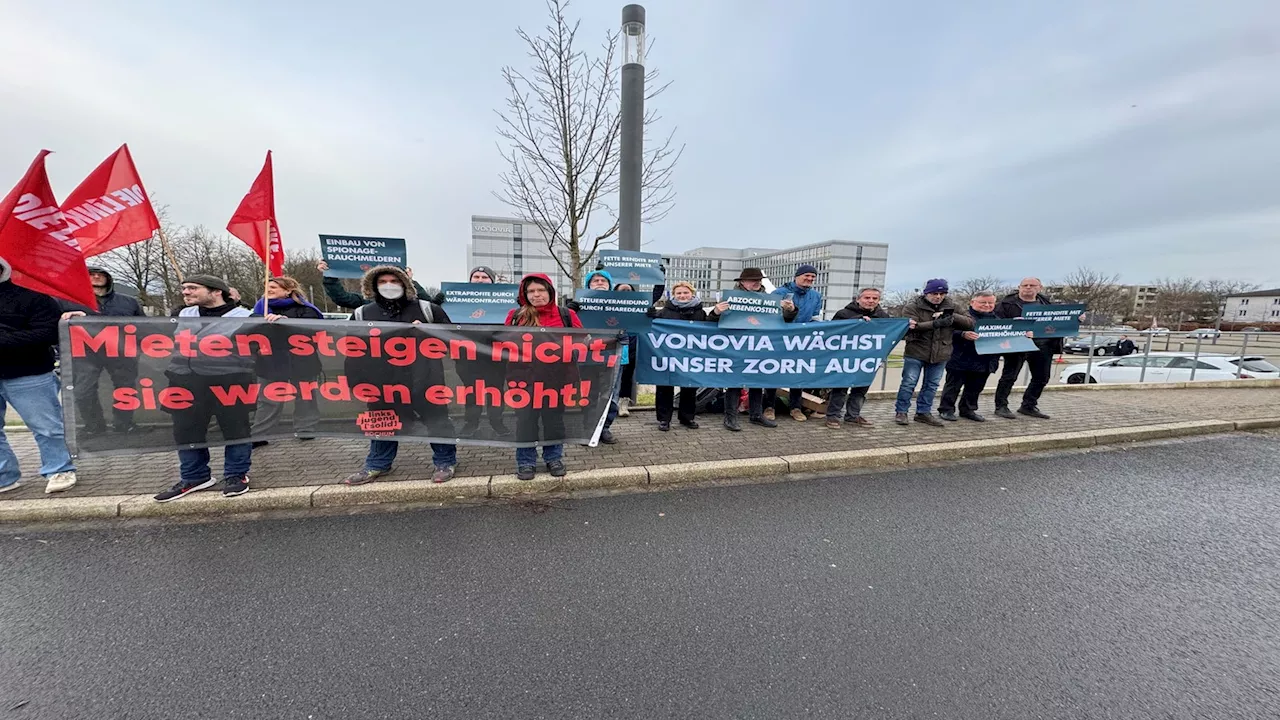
(636,268)
(614,310)
(997,337)
(847,353)
(351,256)
(479,303)
(752,310)
(1054,321)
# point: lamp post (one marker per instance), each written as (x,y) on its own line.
(631,150)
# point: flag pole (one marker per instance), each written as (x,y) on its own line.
(168,252)
(266,267)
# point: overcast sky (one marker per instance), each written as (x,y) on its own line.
(986,137)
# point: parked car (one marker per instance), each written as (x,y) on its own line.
(1155,331)
(1091,346)
(1171,367)
(1252,329)
(1206,333)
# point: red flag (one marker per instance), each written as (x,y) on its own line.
(36,242)
(256,213)
(110,209)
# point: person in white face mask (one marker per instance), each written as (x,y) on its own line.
(394,299)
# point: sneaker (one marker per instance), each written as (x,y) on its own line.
(11,486)
(901,418)
(764,421)
(526,472)
(234,486)
(928,419)
(834,424)
(731,424)
(361,477)
(798,415)
(1032,412)
(469,428)
(499,429)
(664,425)
(93,431)
(126,430)
(556,468)
(1005,413)
(306,438)
(443,474)
(948,416)
(624,407)
(59,482)
(692,424)
(862,422)
(183,488)
(606,437)
(973,416)
(769,414)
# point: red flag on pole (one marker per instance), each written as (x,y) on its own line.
(110,209)
(255,221)
(37,243)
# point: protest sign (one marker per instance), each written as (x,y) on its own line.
(614,310)
(1054,321)
(351,256)
(996,337)
(410,383)
(636,268)
(479,303)
(751,310)
(815,355)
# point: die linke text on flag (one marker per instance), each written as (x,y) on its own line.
(110,209)
(38,244)
(255,220)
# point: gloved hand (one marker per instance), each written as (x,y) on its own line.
(573,305)
(945,321)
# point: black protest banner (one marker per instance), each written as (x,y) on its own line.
(512,386)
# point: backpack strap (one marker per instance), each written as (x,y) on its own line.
(565,317)
(358,314)
(426,311)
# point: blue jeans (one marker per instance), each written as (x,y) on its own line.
(382,453)
(35,398)
(526,457)
(193,465)
(912,369)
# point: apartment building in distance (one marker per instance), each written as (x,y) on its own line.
(1141,299)
(1258,306)
(513,248)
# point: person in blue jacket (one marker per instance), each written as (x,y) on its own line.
(801,297)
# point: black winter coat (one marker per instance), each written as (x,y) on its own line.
(671,312)
(376,370)
(964,354)
(28,331)
(281,364)
(347,299)
(854,311)
(1010,306)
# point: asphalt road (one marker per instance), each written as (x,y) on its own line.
(1141,583)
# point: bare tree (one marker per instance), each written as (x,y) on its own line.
(895,302)
(1183,299)
(562,129)
(1106,297)
(964,291)
(1219,290)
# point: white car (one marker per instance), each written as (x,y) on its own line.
(1171,367)
(1208,333)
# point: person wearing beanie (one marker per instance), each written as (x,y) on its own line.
(123,371)
(1039,362)
(932,318)
(207,297)
(802,298)
(393,299)
(28,334)
(682,303)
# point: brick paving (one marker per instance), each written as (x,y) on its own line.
(290,462)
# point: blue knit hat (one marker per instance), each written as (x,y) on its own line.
(806,268)
(936,285)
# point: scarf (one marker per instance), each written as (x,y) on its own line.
(695,301)
(281,304)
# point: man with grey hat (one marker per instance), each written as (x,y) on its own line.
(759,401)
(207,298)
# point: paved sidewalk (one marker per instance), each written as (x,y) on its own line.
(293,463)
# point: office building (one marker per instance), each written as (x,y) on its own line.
(513,248)
(1259,306)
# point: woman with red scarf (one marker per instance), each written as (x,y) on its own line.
(537,300)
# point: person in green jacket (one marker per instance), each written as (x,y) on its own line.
(344,298)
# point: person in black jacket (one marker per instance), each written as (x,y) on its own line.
(682,304)
(760,401)
(967,371)
(285,301)
(1125,346)
(349,300)
(123,371)
(394,299)
(28,332)
(1040,362)
(865,307)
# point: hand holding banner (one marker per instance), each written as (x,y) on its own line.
(479,303)
(751,310)
(997,337)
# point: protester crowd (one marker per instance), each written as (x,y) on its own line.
(939,343)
